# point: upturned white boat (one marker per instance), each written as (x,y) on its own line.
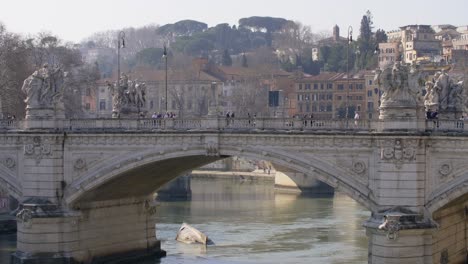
(188,234)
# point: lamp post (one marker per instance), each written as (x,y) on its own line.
(165,61)
(350,39)
(120,44)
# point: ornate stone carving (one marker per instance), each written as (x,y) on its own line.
(395,85)
(150,208)
(359,167)
(126,93)
(44,87)
(37,149)
(9,162)
(392,225)
(445,96)
(212,149)
(79,164)
(24,216)
(398,152)
(445,169)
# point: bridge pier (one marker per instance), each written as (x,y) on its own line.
(94,232)
(399,236)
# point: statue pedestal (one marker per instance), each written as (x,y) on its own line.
(394,117)
(39,113)
(43,118)
(212,111)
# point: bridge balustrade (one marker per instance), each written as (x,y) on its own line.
(288,124)
(9,124)
(445,125)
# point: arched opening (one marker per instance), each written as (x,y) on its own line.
(136,177)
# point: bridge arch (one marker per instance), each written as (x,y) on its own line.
(139,171)
(447,193)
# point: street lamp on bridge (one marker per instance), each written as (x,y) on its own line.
(350,39)
(165,59)
(120,44)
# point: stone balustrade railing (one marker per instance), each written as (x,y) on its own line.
(225,124)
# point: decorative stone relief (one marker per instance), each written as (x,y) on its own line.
(359,167)
(79,164)
(211,149)
(399,152)
(24,216)
(445,169)
(150,208)
(37,149)
(391,225)
(9,162)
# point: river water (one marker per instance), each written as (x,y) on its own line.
(250,223)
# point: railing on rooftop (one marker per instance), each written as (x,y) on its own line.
(226,124)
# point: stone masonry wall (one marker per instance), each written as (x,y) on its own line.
(450,239)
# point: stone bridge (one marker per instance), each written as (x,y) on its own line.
(85,186)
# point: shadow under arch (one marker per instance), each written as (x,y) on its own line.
(142,173)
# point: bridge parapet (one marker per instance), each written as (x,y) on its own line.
(282,124)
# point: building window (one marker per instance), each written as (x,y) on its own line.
(315,86)
(338,97)
(340,87)
(330,86)
(88,106)
(359,107)
(360,86)
(369,93)
(321,86)
(307,107)
(350,86)
(300,108)
(102,105)
(314,108)
(300,86)
(329,107)
(329,96)
(370,106)
(307,86)
(151,104)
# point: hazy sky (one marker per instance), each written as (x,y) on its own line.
(78,19)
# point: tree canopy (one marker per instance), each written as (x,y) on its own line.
(183,27)
(257,23)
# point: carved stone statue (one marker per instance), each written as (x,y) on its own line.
(442,85)
(394,83)
(455,101)
(44,91)
(140,92)
(431,99)
(127,95)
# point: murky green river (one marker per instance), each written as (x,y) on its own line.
(249,223)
